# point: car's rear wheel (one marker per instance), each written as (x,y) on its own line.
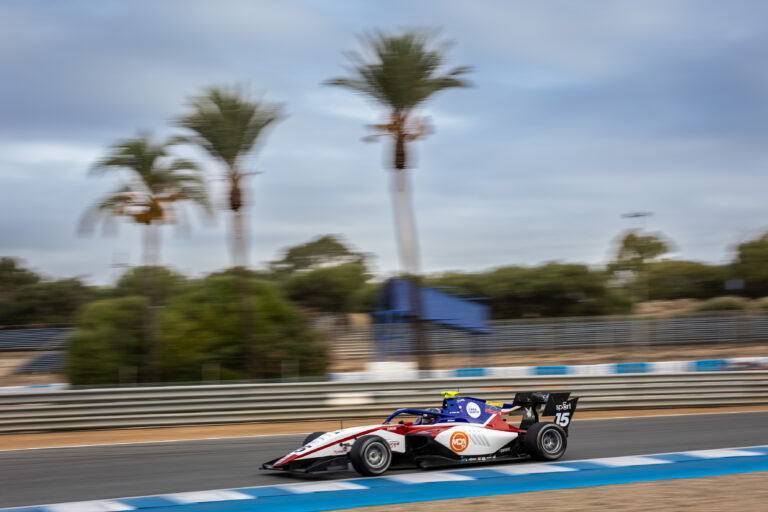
(546,441)
(311,437)
(370,455)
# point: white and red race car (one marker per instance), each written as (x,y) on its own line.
(464,430)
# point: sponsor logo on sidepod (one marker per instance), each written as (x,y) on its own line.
(459,441)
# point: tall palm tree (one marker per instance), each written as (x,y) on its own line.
(155,184)
(401,72)
(227,125)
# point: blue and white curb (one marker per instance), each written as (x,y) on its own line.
(658,367)
(35,388)
(430,485)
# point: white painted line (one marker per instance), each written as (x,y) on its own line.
(617,462)
(130,443)
(717,454)
(423,478)
(322,487)
(90,506)
(529,469)
(206,496)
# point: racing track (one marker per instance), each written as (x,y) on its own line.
(30,477)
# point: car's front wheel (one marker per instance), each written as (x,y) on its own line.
(370,455)
(546,441)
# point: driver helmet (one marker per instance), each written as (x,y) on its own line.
(428,419)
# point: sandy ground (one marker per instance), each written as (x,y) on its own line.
(597,355)
(746,492)
(90,437)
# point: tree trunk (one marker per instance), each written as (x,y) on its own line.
(151,254)
(151,245)
(405,227)
(239,250)
(408,247)
(245,298)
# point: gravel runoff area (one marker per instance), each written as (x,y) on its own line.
(143,435)
(745,492)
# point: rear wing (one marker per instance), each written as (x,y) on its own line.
(536,404)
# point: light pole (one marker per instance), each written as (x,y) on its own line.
(642,216)
(644,295)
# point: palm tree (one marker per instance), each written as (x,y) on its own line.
(155,184)
(227,125)
(401,72)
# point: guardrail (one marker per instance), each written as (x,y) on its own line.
(248,403)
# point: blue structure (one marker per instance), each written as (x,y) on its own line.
(439,310)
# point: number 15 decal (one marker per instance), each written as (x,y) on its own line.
(563,418)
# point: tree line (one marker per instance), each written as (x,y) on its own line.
(326,275)
(197,332)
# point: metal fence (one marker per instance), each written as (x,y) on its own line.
(585,332)
(247,403)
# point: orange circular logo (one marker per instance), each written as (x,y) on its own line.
(459,441)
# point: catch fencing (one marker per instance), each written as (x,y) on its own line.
(258,403)
(558,333)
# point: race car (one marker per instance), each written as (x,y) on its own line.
(464,430)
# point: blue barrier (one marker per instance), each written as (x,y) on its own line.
(709,365)
(622,368)
(550,370)
(471,372)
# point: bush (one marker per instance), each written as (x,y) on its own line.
(671,280)
(160,282)
(202,328)
(27,298)
(330,289)
(108,346)
(552,289)
(722,304)
(199,336)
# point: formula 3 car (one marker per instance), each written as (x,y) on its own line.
(464,430)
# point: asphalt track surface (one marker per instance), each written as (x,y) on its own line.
(32,477)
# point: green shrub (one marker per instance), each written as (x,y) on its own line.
(108,346)
(198,336)
(201,327)
(722,304)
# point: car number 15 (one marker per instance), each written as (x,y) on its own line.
(563,418)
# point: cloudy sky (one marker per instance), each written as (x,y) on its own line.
(580,112)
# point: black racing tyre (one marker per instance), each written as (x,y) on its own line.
(546,441)
(370,455)
(311,437)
